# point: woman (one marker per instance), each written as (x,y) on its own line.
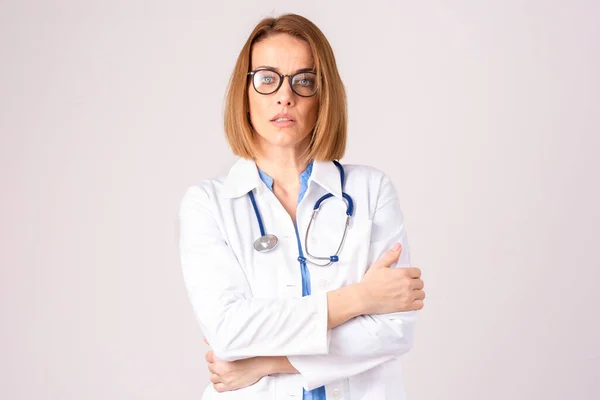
(279,325)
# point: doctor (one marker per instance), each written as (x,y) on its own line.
(297,303)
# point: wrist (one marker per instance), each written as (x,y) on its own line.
(361,296)
(277,365)
(344,304)
(268,365)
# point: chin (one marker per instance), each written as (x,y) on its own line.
(282,138)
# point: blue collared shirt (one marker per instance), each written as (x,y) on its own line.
(318,393)
(303,180)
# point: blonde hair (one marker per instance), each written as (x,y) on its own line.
(328,138)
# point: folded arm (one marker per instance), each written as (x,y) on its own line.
(236,324)
(366,341)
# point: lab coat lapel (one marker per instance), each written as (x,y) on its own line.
(327,175)
(242,178)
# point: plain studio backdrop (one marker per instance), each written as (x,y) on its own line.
(485,114)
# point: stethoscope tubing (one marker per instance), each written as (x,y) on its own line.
(268,242)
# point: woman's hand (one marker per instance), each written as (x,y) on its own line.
(387,290)
(233,375)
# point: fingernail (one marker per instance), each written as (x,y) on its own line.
(396,247)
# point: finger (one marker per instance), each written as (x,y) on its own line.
(417,305)
(389,257)
(214,378)
(412,272)
(211,367)
(417,284)
(419,295)
(220,387)
(206,341)
(209,356)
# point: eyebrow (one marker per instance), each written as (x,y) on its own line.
(277,69)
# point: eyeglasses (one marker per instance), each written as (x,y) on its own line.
(268,81)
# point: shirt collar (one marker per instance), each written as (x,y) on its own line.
(244,177)
(303,177)
(266,179)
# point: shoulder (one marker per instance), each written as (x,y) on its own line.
(371,185)
(202,195)
(361,174)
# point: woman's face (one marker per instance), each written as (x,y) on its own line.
(286,55)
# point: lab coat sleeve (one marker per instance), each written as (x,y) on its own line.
(366,341)
(236,325)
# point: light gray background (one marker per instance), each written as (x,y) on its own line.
(486,115)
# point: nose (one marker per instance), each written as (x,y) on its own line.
(285,95)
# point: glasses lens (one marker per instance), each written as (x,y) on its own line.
(265,81)
(305,84)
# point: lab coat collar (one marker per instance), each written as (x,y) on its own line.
(327,175)
(243,177)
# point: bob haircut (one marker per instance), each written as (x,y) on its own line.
(328,137)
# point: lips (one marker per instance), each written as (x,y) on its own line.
(282,117)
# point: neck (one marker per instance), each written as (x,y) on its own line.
(284,171)
(283,165)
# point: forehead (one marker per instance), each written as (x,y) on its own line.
(283,52)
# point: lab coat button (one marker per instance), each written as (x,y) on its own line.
(337,393)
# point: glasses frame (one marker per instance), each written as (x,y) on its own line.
(281,79)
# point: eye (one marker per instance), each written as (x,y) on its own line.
(266,78)
(304,80)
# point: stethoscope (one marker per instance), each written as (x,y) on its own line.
(267,242)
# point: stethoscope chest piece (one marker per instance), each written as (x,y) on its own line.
(265,243)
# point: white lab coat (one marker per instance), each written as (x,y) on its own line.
(250,304)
